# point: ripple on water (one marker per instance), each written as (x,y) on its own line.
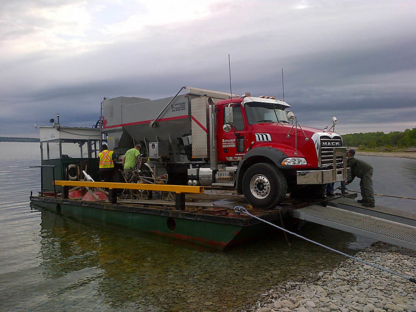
(52,262)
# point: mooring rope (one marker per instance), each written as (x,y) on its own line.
(240,209)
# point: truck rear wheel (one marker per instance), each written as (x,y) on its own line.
(264,186)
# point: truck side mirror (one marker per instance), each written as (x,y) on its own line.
(226,127)
(291,116)
(228,111)
(334,122)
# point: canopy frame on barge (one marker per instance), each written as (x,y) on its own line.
(69,151)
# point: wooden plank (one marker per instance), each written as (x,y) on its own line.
(135,186)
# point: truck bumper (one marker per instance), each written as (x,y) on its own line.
(305,177)
(321,176)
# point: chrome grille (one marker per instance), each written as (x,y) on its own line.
(327,151)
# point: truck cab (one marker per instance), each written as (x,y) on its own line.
(272,154)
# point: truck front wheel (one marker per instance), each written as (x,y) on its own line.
(264,186)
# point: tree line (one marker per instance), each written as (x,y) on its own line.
(397,139)
(14,139)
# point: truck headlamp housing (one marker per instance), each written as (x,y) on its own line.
(294,161)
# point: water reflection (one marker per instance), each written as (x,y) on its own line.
(409,170)
(66,246)
(51,262)
(125,270)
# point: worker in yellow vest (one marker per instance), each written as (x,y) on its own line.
(106,165)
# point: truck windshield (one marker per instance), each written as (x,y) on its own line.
(262,112)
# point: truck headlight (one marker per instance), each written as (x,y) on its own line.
(294,161)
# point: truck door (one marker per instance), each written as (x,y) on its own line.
(232,144)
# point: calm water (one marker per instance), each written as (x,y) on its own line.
(51,262)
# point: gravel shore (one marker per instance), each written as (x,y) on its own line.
(352,286)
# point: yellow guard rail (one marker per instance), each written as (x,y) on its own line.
(180,190)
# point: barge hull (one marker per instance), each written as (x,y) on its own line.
(213,231)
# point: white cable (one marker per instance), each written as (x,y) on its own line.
(240,209)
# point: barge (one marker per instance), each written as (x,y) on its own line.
(200,215)
(186,213)
(213,227)
(252,146)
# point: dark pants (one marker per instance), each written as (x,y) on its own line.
(330,189)
(366,184)
(106,175)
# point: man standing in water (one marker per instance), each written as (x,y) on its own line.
(364,171)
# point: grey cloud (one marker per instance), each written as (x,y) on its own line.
(15,20)
(337,60)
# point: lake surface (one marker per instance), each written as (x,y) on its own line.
(51,262)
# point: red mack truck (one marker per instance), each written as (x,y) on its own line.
(209,138)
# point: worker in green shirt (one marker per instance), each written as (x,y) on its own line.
(364,171)
(129,159)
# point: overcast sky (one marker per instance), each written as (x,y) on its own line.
(355,60)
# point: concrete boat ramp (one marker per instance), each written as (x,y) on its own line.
(384,224)
(380,223)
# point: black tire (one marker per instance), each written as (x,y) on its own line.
(264,186)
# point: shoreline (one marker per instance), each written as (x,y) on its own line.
(409,155)
(351,286)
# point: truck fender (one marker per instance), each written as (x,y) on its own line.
(256,155)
